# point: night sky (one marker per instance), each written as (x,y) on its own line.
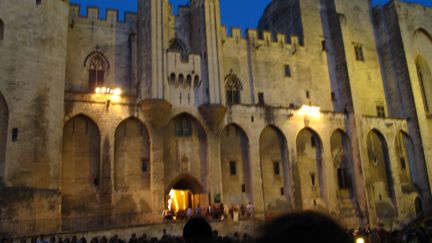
(235,13)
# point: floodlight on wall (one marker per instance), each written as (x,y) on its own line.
(111,94)
(310,111)
(360,240)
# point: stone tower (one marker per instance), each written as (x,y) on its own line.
(206,25)
(33,63)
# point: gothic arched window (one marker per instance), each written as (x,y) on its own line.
(233,86)
(1,29)
(425,81)
(98,67)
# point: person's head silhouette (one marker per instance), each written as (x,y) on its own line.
(197,230)
(306,227)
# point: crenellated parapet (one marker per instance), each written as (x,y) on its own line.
(93,17)
(258,38)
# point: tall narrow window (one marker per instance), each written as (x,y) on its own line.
(1,30)
(233,87)
(96,73)
(276,168)
(183,127)
(98,67)
(425,82)
(359,52)
(287,71)
(261,100)
(233,168)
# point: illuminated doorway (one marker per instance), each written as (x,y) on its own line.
(186,192)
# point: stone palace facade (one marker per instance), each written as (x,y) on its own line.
(327,106)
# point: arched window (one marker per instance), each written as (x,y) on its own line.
(425,82)
(233,86)
(1,29)
(98,67)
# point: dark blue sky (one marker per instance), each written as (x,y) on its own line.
(235,13)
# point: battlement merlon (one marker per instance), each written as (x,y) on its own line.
(259,37)
(93,15)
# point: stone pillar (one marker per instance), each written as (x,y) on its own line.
(157,182)
(214,182)
(330,178)
(256,176)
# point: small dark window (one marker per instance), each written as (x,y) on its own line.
(1,30)
(380,111)
(38,2)
(333,96)
(261,99)
(96,181)
(312,176)
(323,45)
(144,165)
(402,163)
(282,191)
(15,134)
(252,119)
(287,71)
(233,168)
(276,168)
(243,188)
(359,52)
(307,94)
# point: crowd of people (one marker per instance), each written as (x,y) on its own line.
(305,227)
(380,235)
(215,212)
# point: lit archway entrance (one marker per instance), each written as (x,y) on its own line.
(185,192)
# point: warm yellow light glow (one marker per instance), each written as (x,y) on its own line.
(117,91)
(115,98)
(360,240)
(103,90)
(98,90)
(310,111)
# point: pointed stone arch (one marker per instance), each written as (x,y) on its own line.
(425,82)
(81,167)
(380,172)
(185,149)
(235,165)
(422,31)
(343,163)
(275,171)
(4,122)
(405,154)
(310,169)
(132,156)
(185,182)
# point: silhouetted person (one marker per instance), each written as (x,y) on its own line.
(197,230)
(307,227)
(133,239)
